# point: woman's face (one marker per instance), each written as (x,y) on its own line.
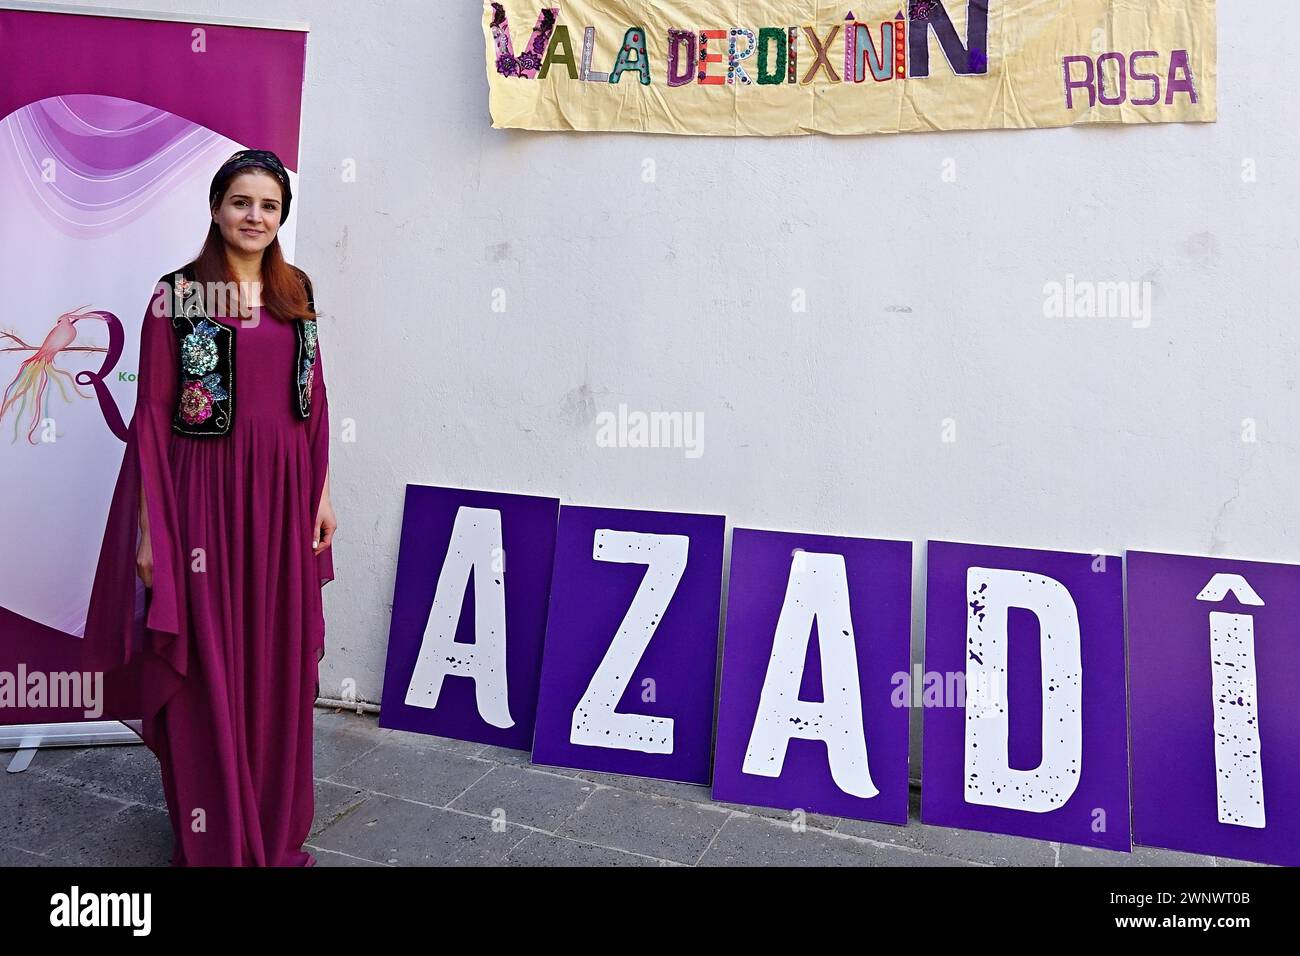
(249,214)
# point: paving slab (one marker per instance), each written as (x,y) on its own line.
(1141,856)
(37,813)
(405,769)
(401,833)
(134,836)
(127,772)
(658,827)
(748,840)
(543,849)
(532,798)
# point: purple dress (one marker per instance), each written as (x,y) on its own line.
(219,657)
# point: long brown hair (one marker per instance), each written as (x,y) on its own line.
(284,286)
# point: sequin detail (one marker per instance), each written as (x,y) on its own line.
(307,351)
(195,403)
(309,333)
(198,350)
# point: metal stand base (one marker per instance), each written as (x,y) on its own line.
(26,739)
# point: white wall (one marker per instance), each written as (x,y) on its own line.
(925,302)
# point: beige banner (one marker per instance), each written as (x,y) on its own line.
(789,67)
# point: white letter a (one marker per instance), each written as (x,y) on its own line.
(817,590)
(475,542)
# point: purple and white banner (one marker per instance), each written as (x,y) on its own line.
(817,631)
(1214,667)
(632,643)
(110,131)
(1029,736)
(469,615)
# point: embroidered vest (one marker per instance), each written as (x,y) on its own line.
(205,400)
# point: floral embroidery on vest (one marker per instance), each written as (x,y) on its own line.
(198,350)
(304,376)
(307,336)
(205,403)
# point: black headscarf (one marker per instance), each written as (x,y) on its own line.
(261,158)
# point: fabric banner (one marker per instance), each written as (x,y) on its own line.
(786,67)
(110,131)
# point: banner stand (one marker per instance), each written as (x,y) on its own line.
(121,79)
(29,738)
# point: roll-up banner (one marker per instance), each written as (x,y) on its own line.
(111,128)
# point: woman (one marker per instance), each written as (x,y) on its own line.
(206,606)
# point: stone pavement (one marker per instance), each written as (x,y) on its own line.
(391,798)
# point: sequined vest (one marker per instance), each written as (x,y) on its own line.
(205,400)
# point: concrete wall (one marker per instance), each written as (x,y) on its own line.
(659,272)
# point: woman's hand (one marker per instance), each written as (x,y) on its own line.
(323,533)
(144,559)
(144,550)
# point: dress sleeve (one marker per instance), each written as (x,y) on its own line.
(318,434)
(318,439)
(132,630)
(155,405)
